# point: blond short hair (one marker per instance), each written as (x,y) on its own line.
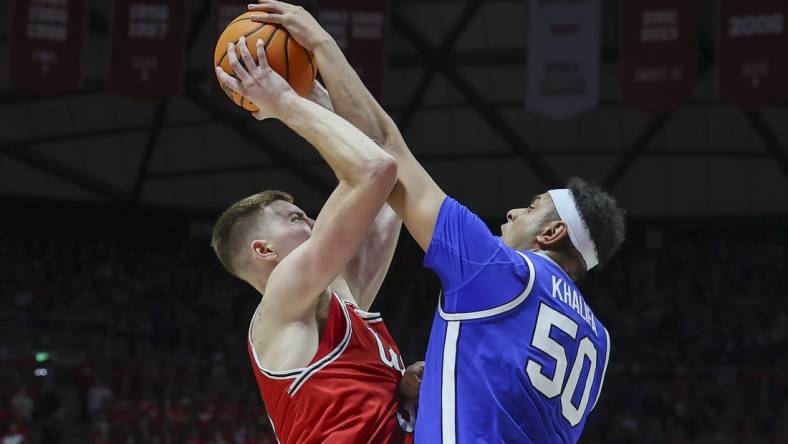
(233,225)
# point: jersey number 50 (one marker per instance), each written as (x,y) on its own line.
(552,387)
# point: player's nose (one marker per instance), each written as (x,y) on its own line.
(511,215)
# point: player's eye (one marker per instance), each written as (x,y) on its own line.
(294,217)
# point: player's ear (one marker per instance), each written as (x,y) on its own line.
(263,250)
(552,234)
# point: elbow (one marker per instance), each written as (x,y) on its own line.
(382,172)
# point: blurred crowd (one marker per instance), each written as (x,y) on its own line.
(147,344)
(699,323)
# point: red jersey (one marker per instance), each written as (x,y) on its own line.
(348,393)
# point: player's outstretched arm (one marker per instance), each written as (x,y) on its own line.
(350,100)
(365,172)
(416,197)
(367,270)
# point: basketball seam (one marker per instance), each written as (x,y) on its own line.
(268,42)
(271,38)
(236,92)
(311,65)
(276,28)
(245,35)
(230,92)
(265,45)
(287,58)
(227,90)
(240,20)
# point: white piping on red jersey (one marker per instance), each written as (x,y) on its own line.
(300,375)
(371,318)
(273,427)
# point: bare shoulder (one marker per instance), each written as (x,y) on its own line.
(280,346)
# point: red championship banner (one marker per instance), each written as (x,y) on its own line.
(753,57)
(358,28)
(46,45)
(147,47)
(563,57)
(658,57)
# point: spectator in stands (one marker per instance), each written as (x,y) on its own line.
(22,405)
(17,433)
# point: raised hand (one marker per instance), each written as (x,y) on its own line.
(295,19)
(257,81)
(319,95)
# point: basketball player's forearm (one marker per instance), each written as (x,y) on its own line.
(415,197)
(352,156)
(351,100)
(370,265)
(349,96)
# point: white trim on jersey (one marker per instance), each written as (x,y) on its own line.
(273,427)
(363,313)
(495,310)
(604,370)
(367,316)
(370,317)
(449,383)
(327,359)
(273,374)
(300,375)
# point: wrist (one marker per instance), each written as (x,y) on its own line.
(324,44)
(288,105)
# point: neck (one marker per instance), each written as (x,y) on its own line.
(568,264)
(257,274)
(259,282)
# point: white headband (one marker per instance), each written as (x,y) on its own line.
(566,207)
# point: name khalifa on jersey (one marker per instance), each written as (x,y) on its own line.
(566,294)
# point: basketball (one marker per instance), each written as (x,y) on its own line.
(285,56)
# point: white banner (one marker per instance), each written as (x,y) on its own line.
(563,57)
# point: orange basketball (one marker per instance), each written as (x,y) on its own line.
(284,54)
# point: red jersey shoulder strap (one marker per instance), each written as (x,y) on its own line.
(338,323)
(365,315)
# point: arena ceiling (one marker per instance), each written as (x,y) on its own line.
(455,83)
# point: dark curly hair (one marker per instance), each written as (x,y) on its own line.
(602,215)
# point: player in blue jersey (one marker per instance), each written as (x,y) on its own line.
(516,354)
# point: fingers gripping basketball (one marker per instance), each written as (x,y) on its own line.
(284,55)
(260,84)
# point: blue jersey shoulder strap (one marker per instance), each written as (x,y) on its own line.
(499,309)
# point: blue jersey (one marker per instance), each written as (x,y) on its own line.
(515,353)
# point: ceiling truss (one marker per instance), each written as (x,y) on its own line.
(442,59)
